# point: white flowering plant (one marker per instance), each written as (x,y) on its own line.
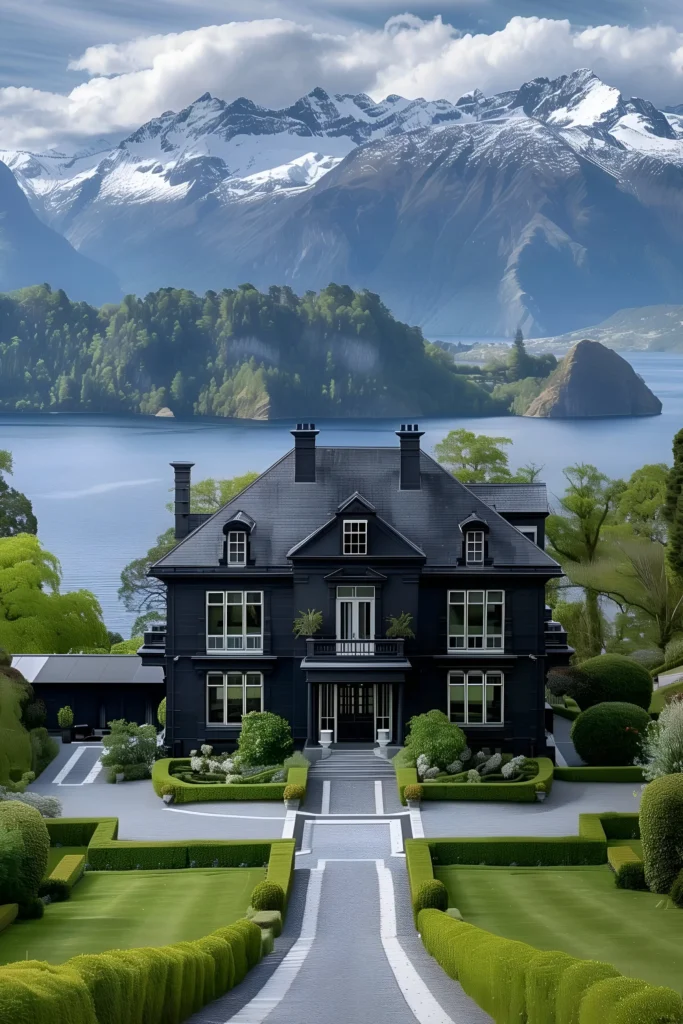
(662,752)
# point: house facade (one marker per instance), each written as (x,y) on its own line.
(363,537)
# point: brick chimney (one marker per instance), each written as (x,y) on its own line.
(181,475)
(304,452)
(409,436)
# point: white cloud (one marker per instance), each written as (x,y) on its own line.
(274,61)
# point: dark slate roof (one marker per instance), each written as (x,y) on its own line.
(87,668)
(286,512)
(531,498)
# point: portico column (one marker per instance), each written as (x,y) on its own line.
(399,722)
(310,739)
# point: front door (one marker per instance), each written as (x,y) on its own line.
(355,619)
(355,713)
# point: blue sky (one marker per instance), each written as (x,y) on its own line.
(74,69)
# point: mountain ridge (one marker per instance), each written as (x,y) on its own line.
(218,193)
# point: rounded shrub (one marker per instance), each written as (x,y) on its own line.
(673,656)
(676,893)
(661,831)
(613,677)
(265,739)
(65,717)
(27,823)
(161,713)
(435,738)
(610,733)
(293,792)
(631,876)
(578,978)
(432,895)
(413,791)
(660,1005)
(268,896)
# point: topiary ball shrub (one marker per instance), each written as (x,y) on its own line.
(676,894)
(413,791)
(293,792)
(431,896)
(27,824)
(661,831)
(435,738)
(268,896)
(631,876)
(613,677)
(265,739)
(610,734)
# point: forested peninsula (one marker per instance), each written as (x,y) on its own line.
(235,353)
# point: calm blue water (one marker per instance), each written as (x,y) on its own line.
(99,484)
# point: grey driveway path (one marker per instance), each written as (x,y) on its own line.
(561,730)
(557,816)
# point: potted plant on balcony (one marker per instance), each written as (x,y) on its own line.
(308,623)
(399,627)
(65,720)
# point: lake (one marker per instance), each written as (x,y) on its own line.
(99,484)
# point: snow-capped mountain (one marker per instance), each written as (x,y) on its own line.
(547,205)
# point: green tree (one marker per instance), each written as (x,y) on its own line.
(520,364)
(642,502)
(673,509)
(209,495)
(474,458)
(574,537)
(35,618)
(16,511)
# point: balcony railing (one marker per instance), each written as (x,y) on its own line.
(332,648)
(155,638)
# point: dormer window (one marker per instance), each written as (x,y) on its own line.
(474,547)
(237,547)
(355,537)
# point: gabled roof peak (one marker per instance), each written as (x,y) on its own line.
(474,520)
(356,497)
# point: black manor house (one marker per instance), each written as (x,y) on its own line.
(362,536)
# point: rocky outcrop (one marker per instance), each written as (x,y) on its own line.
(594,381)
(166,413)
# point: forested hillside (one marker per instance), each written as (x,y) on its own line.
(237,353)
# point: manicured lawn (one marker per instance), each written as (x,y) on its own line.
(57,852)
(660,697)
(125,909)
(575,909)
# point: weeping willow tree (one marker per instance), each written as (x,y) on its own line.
(633,573)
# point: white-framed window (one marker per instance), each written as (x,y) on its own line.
(476,698)
(230,695)
(476,620)
(355,537)
(530,532)
(234,621)
(237,547)
(474,547)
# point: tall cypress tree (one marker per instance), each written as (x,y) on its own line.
(673,510)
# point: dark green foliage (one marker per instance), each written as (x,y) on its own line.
(130,744)
(676,893)
(268,896)
(234,353)
(265,738)
(34,715)
(16,511)
(161,713)
(610,733)
(673,509)
(526,852)
(11,854)
(661,830)
(56,889)
(44,749)
(28,825)
(431,895)
(32,910)
(611,677)
(631,876)
(436,737)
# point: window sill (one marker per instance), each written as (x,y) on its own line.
(224,728)
(479,725)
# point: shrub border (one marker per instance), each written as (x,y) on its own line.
(107,853)
(190,792)
(70,869)
(600,773)
(510,792)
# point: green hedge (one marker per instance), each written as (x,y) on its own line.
(600,773)
(191,792)
(613,825)
(512,981)
(73,831)
(70,869)
(164,985)
(511,792)
(525,852)
(617,856)
(8,913)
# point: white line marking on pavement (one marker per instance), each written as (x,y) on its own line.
(379,797)
(327,786)
(215,814)
(420,1000)
(94,772)
(62,774)
(288,827)
(278,985)
(416,826)
(396,837)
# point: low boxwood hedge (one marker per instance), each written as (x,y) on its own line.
(599,773)
(515,792)
(164,985)
(164,780)
(69,870)
(73,831)
(512,981)
(8,913)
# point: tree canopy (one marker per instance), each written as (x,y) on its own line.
(16,511)
(35,618)
(478,458)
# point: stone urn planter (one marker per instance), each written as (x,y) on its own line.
(292,805)
(383,741)
(414,803)
(167,798)
(541,795)
(120,777)
(326,741)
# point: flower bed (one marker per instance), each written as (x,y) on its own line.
(169,775)
(493,786)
